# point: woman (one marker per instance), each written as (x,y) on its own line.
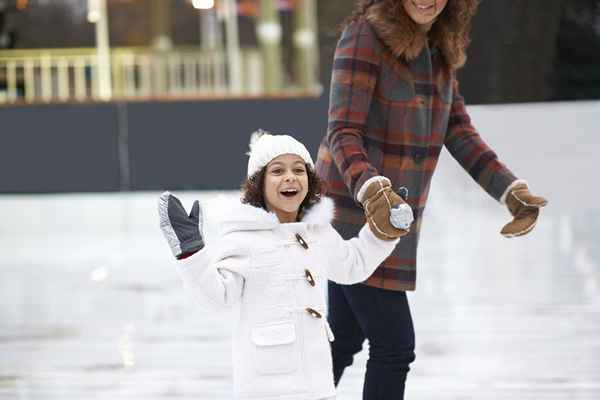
(394,104)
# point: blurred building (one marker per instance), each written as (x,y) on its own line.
(521,52)
(66,50)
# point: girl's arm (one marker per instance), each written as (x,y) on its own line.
(214,280)
(353,261)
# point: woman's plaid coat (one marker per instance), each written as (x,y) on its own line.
(391,117)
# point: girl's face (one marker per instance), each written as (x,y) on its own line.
(285,186)
(424,12)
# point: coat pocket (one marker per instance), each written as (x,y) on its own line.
(276,348)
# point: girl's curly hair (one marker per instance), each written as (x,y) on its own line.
(450,32)
(253,189)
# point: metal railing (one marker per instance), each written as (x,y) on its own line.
(51,75)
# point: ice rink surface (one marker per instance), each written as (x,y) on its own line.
(91,306)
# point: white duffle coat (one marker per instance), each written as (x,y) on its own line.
(275,275)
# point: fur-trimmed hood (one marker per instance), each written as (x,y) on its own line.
(396,30)
(232,215)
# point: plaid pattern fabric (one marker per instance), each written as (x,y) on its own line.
(391,117)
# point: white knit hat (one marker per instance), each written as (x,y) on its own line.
(264,147)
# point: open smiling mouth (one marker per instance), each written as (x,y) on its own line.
(289,192)
(422,7)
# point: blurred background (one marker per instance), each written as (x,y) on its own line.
(105,103)
(114,84)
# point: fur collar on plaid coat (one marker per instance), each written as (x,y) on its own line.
(395,28)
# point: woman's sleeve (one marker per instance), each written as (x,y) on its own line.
(214,280)
(353,261)
(355,69)
(472,153)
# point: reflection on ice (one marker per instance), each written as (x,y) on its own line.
(582,251)
(125,347)
(99,274)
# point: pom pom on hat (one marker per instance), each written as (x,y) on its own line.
(264,147)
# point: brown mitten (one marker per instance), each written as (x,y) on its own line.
(378,198)
(524,208)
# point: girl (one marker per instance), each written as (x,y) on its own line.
(275,251)
(395,103)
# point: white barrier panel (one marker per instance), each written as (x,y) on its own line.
(551,145)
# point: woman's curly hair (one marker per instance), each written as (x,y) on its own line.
(253,190)
(450,32)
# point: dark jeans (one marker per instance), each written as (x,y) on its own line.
(359,312)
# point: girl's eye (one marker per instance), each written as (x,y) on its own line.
(276,171)
(299,170)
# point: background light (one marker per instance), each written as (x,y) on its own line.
(93,11)
(93,16)
(203,4)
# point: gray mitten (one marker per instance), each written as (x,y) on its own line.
(182,231)
(401,216)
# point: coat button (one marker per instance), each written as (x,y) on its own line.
(301,241)
(313,312)
(309,277)
(403,192)
(419,155)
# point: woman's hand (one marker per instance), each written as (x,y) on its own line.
(525,209)
(181,230)
(388,215)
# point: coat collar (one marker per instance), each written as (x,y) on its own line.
(235,216)
(396,30)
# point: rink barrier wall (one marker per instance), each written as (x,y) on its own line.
(176,145)
(200,145)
